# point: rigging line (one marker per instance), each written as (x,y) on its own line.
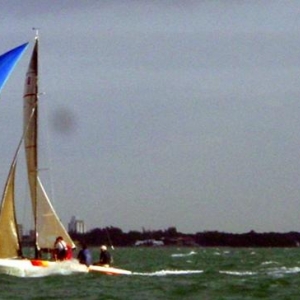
(22,137)
(48,157)
(109,239)
(16,155)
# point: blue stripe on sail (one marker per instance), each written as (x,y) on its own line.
(8,61)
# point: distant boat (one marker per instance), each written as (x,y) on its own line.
(8,61)
(47,226)
(149,243)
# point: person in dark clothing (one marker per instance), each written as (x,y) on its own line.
(84,256)
(105,257)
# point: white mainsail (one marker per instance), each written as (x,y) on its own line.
(47,223)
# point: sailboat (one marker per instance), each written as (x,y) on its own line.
(47,226)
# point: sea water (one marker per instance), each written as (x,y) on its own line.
(174,273)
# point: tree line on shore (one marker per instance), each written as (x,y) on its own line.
(171,237)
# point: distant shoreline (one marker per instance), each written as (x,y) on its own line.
(171,237)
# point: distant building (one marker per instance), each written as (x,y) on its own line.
(76,226)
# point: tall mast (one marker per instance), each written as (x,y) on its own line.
(30,128)
(36,139)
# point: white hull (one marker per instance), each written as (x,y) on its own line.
(42,268)
(25,268)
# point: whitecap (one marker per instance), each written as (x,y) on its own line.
(183,254)
(238,273)
(269,263)
(283,270)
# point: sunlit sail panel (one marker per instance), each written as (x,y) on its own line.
(9,239)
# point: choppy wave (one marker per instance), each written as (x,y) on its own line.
(233,274)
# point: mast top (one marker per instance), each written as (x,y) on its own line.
(36,32)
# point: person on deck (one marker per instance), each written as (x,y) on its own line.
(84,256)
(60,249)
(105,257)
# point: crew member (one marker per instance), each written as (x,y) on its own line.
(105,257)
(84,256)
(60,249)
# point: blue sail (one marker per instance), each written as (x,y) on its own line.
(8,61)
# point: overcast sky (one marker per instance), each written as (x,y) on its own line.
(162,113)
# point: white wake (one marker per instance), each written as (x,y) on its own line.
(168,272)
